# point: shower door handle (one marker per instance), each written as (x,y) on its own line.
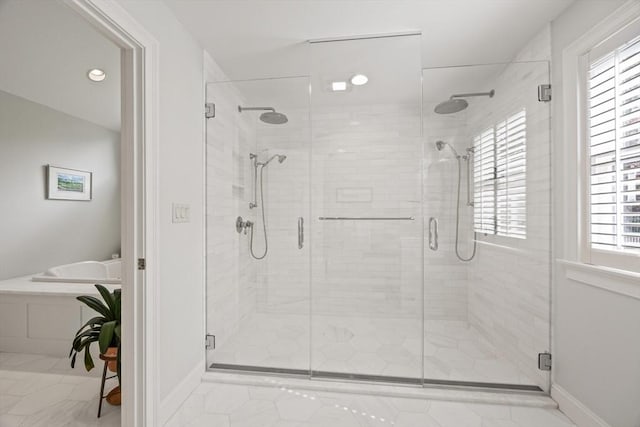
(300,232)
(433,234)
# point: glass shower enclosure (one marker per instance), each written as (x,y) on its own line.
(332,217)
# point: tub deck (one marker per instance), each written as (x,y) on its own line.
(42,317)
(25,286)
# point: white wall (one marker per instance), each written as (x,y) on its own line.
(596,350)
(180,346)
(38,233)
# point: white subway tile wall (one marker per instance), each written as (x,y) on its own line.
(367,274)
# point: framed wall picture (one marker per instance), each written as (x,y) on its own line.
(68,184)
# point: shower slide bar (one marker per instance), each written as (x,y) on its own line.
(364,218)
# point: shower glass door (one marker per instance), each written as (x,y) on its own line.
(258,275)
(362,225)
(487,305)
(366,212)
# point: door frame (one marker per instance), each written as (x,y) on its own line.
(139,202)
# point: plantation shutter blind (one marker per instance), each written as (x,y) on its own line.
(484,216)
(614,149)
(511,163)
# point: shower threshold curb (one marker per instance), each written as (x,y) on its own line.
(537,399)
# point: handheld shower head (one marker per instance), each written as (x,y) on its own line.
(281,158)
(441,144)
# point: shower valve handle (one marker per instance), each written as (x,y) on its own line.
(300,232)
(242,225)
(433,234)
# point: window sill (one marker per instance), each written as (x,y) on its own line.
(621,282)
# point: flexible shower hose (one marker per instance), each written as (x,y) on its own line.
(264,224)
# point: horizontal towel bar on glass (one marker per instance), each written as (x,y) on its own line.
(363,218)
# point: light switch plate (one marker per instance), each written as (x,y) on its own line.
(180,213)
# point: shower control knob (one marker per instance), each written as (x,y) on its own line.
(242,225)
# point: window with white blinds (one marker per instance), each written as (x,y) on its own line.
(614,149)
(511,169)
(484,184)
(500,162)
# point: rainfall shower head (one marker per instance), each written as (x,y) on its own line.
(271,116)
(455,103)
(274,118)
(451,106)
(441,144)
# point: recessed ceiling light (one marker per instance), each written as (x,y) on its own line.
(339,86)
(359,80)
(96,75)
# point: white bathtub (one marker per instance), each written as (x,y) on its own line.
(41,314)
(109,272)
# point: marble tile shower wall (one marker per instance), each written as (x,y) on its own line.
(283,276)
(231,274)
(367,163)
(509,282)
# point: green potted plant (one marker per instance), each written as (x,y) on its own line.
(103,329)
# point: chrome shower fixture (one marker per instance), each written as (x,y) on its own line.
(271,116)
(281,158)
(467,158)
(248,225)
(258,164)
(455,103)
(441,144)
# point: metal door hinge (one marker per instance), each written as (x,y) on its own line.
(544,361)
(209,110)
(210,341)
(544,93)
(142,264)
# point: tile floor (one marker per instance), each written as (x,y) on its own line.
(43,391)
(275,404)
(374,346)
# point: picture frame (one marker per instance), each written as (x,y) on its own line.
(68,184)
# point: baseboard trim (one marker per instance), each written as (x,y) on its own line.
(576,410)
(176,398)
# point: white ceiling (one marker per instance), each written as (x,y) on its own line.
(266,38)
(47,50)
